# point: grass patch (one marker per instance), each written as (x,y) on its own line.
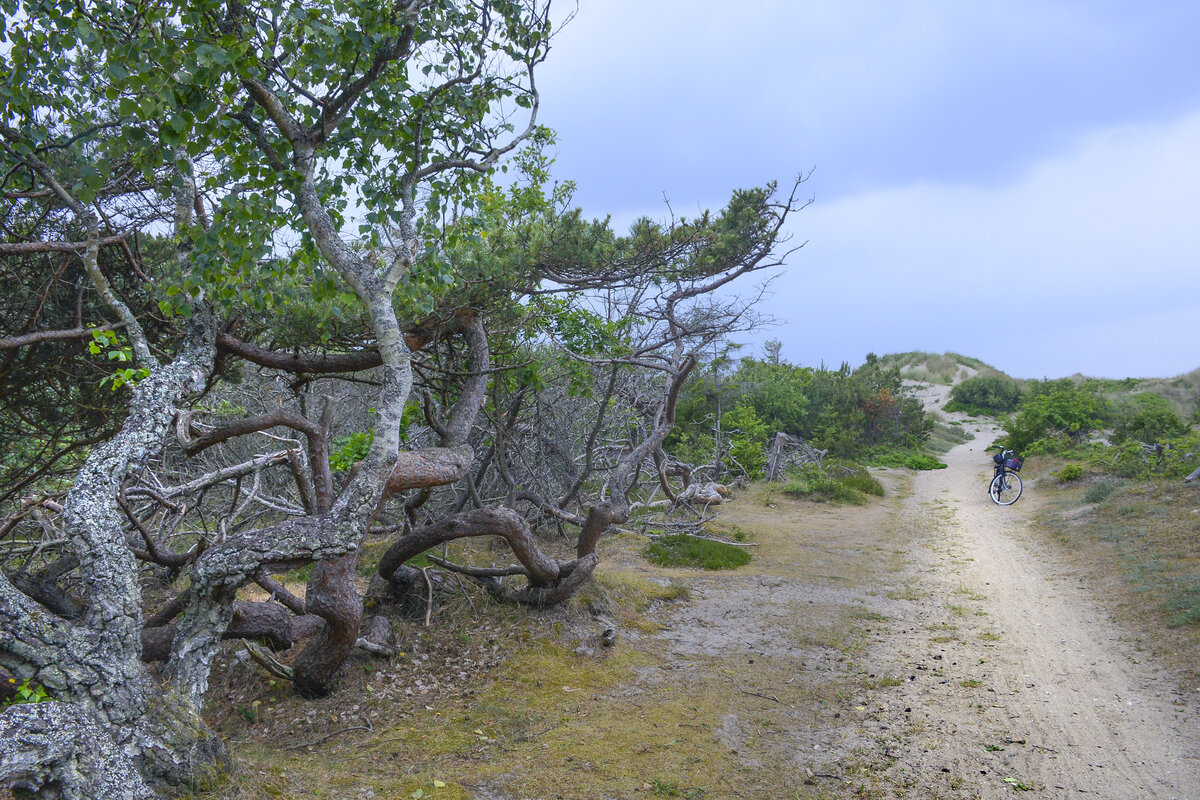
(923,461)
(1183,606)
(882,682)
(688,551)
(839,483)
(907,593)
(907,460)
(1099,491)
(862,481)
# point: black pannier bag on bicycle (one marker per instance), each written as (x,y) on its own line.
(999,459)
(1014,463)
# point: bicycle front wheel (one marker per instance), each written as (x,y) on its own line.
(1005,488)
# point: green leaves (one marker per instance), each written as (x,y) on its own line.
(27,692)
(349,450)
(1055,414)
(580,330)
(114,348)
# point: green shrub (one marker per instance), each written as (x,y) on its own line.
(747,439)
(1071,472)
(921,461)
(846,412)
(835,484)
(1098,492)
(985,394)
(1147,418)
(906,459)
(824,491)
(862,481)
(1055,416)
(689,551)
(1170,459)
(1173,458)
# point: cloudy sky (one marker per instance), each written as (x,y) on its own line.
(1016,181)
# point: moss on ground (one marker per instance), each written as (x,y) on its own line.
(689,551)
(492,701)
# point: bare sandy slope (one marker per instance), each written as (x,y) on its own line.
(1011,674)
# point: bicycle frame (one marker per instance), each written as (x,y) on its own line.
(1000,475)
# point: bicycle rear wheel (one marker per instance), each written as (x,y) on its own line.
(1005,488)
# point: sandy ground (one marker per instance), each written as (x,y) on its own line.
(994,667)
(1012,673)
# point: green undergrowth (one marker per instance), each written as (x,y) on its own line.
(834,482)
(907,460)
(532,705)
(689,551)
(480,688)
(1070,472)
(985,395)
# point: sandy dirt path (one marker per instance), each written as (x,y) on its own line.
(1010,675)
(928,646)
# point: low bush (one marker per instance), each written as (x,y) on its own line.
(682,550)
(1056,416)
(1147,418)
(835,483)
(906,459)
(862,481)
(1071,472)
(1173,458)
(1098,492)
(923,461)
(985,395)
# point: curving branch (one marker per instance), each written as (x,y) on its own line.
(300,363)
(504,523)
(26,339)
(278,627)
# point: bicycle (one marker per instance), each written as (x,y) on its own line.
(1005,488)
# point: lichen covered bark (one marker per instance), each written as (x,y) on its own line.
(58,750)
(94,668)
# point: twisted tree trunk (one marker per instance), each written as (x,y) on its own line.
(94,665)
(331,593)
